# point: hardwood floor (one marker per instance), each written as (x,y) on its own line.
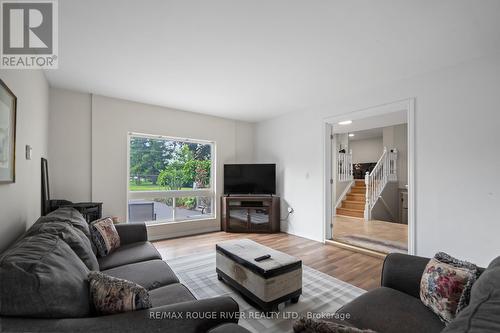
(358,269)
(358,232)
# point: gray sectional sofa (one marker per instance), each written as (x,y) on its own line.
(43,285)
(395,307)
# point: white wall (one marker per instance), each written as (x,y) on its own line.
(89,136)
(366,150)
(20,201)
(244,142)
(397,137)
(113,119)
(295,143)
(70,145)
(454,211)
(390,194)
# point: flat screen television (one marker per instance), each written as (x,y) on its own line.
(250,179)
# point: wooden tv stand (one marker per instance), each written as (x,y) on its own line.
(259,214)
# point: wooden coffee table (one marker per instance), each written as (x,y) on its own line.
(267,283)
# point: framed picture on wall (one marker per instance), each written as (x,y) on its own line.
(8,104)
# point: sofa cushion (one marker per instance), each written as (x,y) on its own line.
(74,237)
(74,217)
(104,236)
(482,315)
(150,274)
(111,295)
(40,276)
(129,254)
(171,294)
(71,215)
(390,311)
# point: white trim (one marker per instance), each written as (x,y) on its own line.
(183,233)
(170,194)
(407,105)
(328,189)
(92,148)
(344,194)
(377,110)
(200,218)
(127,177)
(171,138)
(412,222)
(213,178)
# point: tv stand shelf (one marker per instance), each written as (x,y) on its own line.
(260,214)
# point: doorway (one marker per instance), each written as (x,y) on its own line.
(369,179)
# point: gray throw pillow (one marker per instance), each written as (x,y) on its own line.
(495,263)
(41,277)
(74,237)
(481,315)
(71,215)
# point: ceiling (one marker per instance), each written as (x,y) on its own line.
(373,133)
(253,60)
(361,122)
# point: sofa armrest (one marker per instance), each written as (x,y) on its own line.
(132,232)
(403,273)
(187,317)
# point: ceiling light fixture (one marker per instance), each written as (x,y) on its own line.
(351,134)
(345,122)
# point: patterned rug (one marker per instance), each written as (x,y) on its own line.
(321,293)
(373,243)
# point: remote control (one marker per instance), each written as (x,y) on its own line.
(264,257)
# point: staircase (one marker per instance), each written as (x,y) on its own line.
(385,171)
(354,203)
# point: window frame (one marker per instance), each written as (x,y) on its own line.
(205,192)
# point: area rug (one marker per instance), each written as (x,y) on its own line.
(373,243)
(321,293)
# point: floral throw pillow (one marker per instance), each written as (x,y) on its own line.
(445,285)
(104,236)
(112,295)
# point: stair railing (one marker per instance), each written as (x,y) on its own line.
(344,167)
(384,171)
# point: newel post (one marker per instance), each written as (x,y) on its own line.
(351,173)
(367,197)
(386,165)
(394,170)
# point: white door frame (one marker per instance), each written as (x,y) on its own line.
(407,105)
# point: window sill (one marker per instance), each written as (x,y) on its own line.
(166,222)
